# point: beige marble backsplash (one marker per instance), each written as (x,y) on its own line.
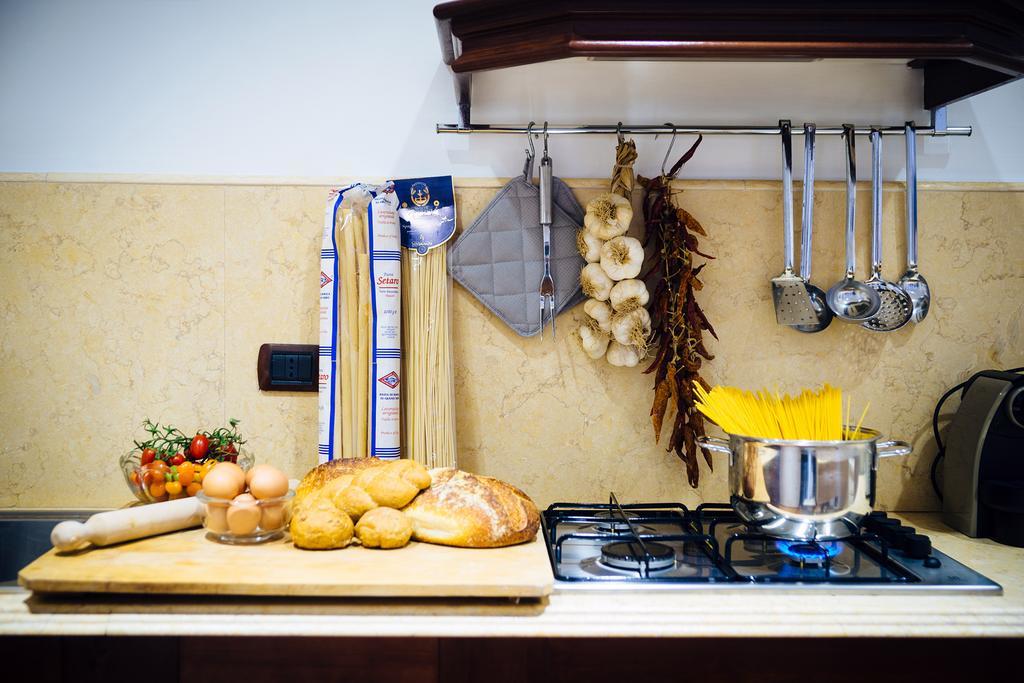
(122,301)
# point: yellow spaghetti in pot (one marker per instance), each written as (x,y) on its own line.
(808,416)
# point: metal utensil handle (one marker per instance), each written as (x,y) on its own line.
(545,190)
(876,202)
(849,136)
(893,448)
(714,444)
(787,192)
(808,208)
(911,195)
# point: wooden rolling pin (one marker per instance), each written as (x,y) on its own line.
(106,528)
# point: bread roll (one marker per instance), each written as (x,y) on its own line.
(317,524)
(384,528)
(472,511)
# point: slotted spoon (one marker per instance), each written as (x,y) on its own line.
(817,295)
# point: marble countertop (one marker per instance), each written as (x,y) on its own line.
(592,614)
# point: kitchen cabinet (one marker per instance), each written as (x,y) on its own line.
(962,51)
(501,660)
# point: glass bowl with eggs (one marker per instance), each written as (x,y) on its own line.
(245,507)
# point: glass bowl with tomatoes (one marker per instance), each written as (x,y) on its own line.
(170,464)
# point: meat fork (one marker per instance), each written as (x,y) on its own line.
(547,283)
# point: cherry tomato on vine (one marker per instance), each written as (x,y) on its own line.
(199,446)
(230,448)
(173,487)
(186,473)
(178,459)
(148,455)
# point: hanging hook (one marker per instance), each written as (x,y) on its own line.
(668,152)
(530,154)
(545,140)
(618,132)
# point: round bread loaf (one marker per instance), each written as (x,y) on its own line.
(472,511)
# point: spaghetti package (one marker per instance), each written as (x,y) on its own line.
(427,217)
(360,325)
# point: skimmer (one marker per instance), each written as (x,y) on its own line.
(896,308)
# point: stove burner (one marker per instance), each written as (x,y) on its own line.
(612,522)
(809,552)
(630,555)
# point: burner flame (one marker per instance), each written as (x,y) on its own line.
(810,552)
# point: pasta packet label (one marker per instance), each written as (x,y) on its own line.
(360,324)
(426,211)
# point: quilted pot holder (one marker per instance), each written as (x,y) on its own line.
(500,257)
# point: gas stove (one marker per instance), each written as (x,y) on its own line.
(668,546)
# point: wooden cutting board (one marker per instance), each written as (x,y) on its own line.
(188,563)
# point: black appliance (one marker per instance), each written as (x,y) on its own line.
(651,546)
(983,466)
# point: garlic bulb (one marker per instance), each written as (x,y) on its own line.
(594,342)
(628,295)
(608,215)
(589,246)
(600,312)
(622,356)
(595,282)
(633,329)
(622,257)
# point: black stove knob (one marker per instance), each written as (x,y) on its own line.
(870,521)
(894,534)
(886,523)
(917,546)
(932,562)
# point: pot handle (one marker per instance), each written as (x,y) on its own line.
(893,448)
(714,444)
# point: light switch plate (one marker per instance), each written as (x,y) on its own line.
(288,367)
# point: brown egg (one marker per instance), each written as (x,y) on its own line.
(272,517)
(243,515)
(267,482)
(216,517)
(225,480)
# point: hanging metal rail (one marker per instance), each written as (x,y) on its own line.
(669,129)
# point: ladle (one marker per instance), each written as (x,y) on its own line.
(817,294)
(912,282)
(849,299)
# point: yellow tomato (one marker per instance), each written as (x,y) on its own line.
(173,487)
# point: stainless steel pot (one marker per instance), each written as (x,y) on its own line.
(804,490)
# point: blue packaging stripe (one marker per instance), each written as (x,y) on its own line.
(373,329)
(334,325)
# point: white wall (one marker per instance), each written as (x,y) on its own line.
(331,88)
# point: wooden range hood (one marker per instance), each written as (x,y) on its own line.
(963,47)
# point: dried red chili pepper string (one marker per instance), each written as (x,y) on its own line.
(677,321)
